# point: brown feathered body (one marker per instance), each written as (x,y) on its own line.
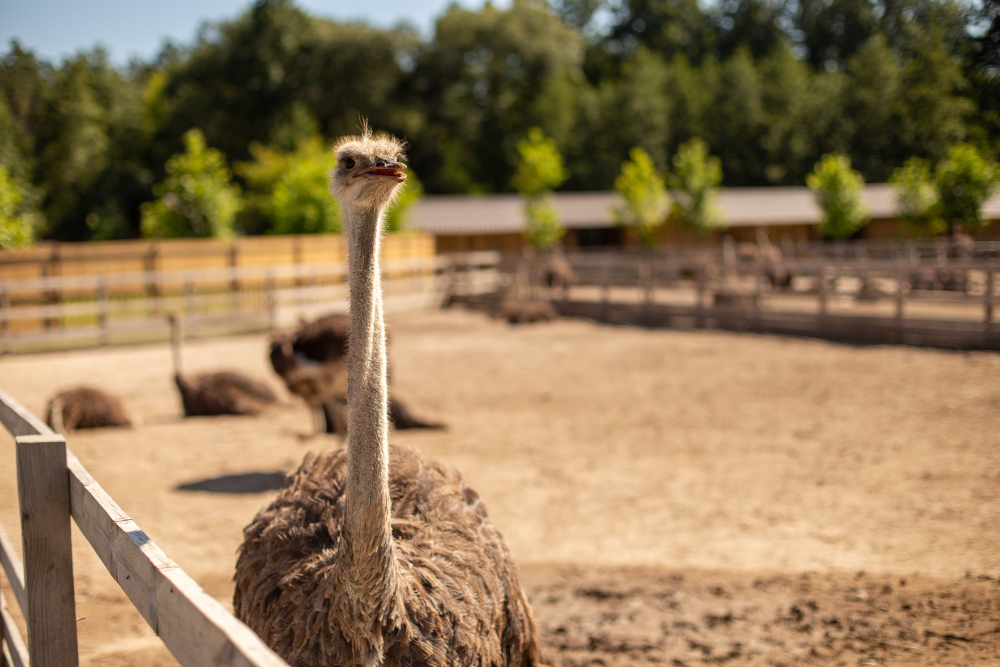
(222,393)
(458,600)
(85,407)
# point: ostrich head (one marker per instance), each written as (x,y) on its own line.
(369,170)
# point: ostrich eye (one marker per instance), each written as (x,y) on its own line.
(348,163)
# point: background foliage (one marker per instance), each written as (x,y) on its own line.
(769,86)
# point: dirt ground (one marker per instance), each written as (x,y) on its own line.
(671,497)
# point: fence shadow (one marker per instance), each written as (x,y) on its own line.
(246,482)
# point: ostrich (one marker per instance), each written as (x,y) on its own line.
(86,407)
(220,393)
(374,554)
(312,361)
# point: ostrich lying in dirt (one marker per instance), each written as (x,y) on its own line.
(312,360)
(85,407)
(219,393)
(374,554)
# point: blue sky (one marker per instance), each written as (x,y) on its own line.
(56,28)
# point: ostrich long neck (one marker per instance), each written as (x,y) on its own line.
(370,563)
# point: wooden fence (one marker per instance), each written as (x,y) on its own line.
(54,487)
(934,301)
(131,307)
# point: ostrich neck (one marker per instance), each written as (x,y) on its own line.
(176,335)
(369,563)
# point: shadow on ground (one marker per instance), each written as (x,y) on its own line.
(246,482)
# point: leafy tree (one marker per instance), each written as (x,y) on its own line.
(677,27)
(197,198)
(541,167)
(477,84)
(750,24)
(695,180)
(645,195)
(544,229)
(540,170)
(837,189)
(736,122)
(917,197)
(633,110)
(410,194)
(965,179)
(17,225)
(288,192)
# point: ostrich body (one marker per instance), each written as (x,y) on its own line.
(85,407)
(219,393)
(312,361)
(371,554)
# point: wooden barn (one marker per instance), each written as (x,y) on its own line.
(495,222)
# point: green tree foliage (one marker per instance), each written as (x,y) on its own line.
(544,229)
(410,194)
(771,86)
(288,192)
(645,195)
(837,189)
(965,179)
(478,82)
(197,198)
(17,225)
(540,170)
(916,195)
(695,179)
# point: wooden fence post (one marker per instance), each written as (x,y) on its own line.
(646,276)
(234,280)
(988,305)
(102,313)
(821,292)
(900,280)
(5,318)
(605,287)
(701,288)
(272,302)
(188,297)
(43,492)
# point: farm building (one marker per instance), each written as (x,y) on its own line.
(495,222)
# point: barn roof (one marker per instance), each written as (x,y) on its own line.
(449,215)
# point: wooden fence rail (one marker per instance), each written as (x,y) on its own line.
(122,307)
(52,488)
(946,303)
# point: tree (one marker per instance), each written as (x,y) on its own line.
(17,225)
(837,189)
(477,84)
(408,195)
(917,197)
(695,180)
(646,200)
(197,198)
(288,192)
(540,170)
(965,179)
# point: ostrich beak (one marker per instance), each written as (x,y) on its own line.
(390,169)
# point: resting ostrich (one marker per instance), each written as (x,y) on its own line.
(219,393)
(85,407)
(375,554)
(312,361)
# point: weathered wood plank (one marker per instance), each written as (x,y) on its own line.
(43,492)
(13,568)
(18,420)
(15,652)
(193,625)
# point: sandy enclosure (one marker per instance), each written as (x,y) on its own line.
(671,497)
